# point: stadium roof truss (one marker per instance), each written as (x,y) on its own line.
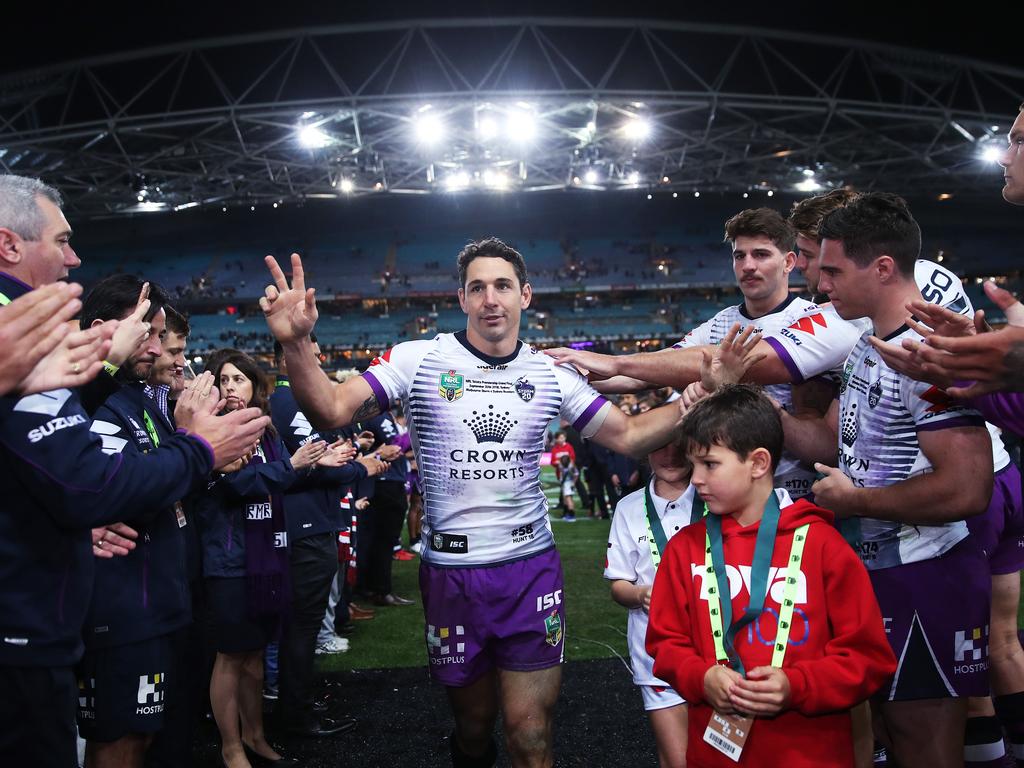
(500,105)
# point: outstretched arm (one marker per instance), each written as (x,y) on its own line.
(291,314)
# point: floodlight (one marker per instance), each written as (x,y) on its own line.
(809,173)
(991,154)
(807,185)
(696,194)
(311,137)
(495,179)
(429,129)
(637,129)
(590,176)
(457,180)
(521,126)
(347,185)
(771,193)
(487,127)
(634,177)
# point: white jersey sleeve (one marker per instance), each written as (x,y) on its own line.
(623,550)
(582,405)
(817,343)
(391,375)
(932,409)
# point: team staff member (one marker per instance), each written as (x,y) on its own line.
(314,518)
(58,484)
(491,579)
(133,635)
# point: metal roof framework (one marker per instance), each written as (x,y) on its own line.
(525,104)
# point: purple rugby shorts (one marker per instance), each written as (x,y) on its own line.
(508,616)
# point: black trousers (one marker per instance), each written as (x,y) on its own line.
(37,717)
(379,526)
(598,481)
(314,562)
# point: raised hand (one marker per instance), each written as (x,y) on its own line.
(194,399)
(31,327)
(131,331)
(77,359)
(308,454)
(731,359)
(339,453)
(1007,302)
(290,312)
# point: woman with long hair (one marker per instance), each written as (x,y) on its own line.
(245,561)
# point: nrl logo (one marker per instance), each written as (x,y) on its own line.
(451,386)
(553,628)
(525,389)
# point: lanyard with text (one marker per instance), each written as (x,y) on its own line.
(718,582)
(151,429)
(282,383)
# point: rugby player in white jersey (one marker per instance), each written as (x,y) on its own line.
(479,402)
(914,466)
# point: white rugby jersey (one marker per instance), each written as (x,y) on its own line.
(881,413)
(477,427)
(792,475)
(629,559)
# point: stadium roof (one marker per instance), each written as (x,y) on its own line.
(497,105)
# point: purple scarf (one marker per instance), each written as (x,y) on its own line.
(266,546)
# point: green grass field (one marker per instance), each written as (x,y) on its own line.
(595,626)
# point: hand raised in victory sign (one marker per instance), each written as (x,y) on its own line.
(290,312)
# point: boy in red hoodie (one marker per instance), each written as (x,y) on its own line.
(800,641)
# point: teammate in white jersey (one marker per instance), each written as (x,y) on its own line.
(479,402)
(914,466)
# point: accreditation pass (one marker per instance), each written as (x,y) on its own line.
(728,734)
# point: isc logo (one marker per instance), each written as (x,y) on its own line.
(549,600)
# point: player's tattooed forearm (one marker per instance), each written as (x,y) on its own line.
(367,410)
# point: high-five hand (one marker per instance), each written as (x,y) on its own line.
(290,312)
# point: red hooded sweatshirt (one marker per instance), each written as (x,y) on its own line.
(837,654)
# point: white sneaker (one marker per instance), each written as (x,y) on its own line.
(334,645)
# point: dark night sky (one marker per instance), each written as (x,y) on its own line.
(66,31)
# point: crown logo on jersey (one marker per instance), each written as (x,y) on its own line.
(849,426)
(451,385)
(490,426)
(875,393)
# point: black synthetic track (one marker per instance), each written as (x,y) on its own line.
(404,722)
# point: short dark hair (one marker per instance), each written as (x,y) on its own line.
(491,247)
(872,225)
(806,215)
(114,297)
(177,322)
(738,417)
(761,222)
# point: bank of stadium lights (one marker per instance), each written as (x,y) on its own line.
(487,127)
(347,185)
(521,126)
(591,176)
(495,179)
(456,181)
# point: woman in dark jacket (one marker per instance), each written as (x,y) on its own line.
(245,562)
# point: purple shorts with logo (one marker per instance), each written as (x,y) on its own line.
(507,616)
(936,615)
(1000,530)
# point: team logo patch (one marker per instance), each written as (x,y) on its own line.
(451,385)
(807,323)
(847,372)
(439,639)
(971,645)
(525,389)
(553,628)
(875,393)
(151,694)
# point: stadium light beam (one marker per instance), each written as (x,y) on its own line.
(429,129)
(487,128)
(311,137)
(810,184)
(521,126)
(637,129)
(991,154)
